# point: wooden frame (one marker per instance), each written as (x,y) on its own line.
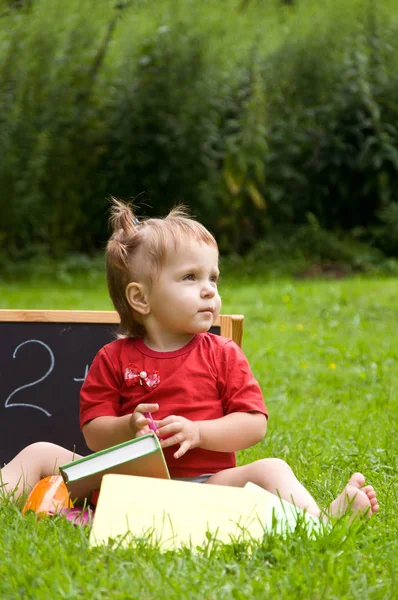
(231,326)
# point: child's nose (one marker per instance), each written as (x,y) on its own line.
(208,290)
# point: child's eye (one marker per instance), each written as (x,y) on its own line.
(189,277)
(214,279)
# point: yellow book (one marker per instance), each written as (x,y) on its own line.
(173,514)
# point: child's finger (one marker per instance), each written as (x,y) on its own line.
(143,408)
(172,440)
(169,429)
(182,450)
(168,420)
(143,422)
(143,431)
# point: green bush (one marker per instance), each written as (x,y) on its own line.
(255,114)
(51,129)
(162,121)
(333,143)
(386,234)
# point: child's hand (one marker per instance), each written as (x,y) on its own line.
(178,430)
(139,423)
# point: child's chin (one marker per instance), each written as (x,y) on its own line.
(199,329)
(205,328)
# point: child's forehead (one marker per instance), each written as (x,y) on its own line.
(191,250)
(186,242)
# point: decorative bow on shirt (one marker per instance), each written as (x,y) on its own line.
(134,376)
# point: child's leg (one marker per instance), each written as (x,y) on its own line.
(274,475)
(32,464)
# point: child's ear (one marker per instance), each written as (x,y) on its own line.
(136,295)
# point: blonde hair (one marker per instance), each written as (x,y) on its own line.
(137,250)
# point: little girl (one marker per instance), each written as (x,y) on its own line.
(206,404)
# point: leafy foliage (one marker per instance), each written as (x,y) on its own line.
(254,114)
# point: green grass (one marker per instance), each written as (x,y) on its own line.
(325,353)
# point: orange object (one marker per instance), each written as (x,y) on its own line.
(48,496)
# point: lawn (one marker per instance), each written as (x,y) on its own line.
(325,354)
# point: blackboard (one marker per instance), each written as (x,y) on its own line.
(44,358)
(42,367)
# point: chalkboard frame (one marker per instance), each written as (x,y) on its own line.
(230,326)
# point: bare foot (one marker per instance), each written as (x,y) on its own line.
(356,498)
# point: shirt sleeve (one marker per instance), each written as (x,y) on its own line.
(239,390)
(100,392)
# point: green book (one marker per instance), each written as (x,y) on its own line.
(142,456)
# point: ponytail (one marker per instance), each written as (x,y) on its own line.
(122,243)
(125,225)
(122,218)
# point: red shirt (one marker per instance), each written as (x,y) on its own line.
(206,379)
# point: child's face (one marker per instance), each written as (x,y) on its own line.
(184,298)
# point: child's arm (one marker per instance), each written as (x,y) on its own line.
(233,432)
(228,434)
(103,432)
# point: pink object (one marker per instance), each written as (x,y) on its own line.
(78,516)
(152,423)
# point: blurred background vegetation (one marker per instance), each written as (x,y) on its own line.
(275,121)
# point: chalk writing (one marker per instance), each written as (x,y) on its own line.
(82,378)
(8,403)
